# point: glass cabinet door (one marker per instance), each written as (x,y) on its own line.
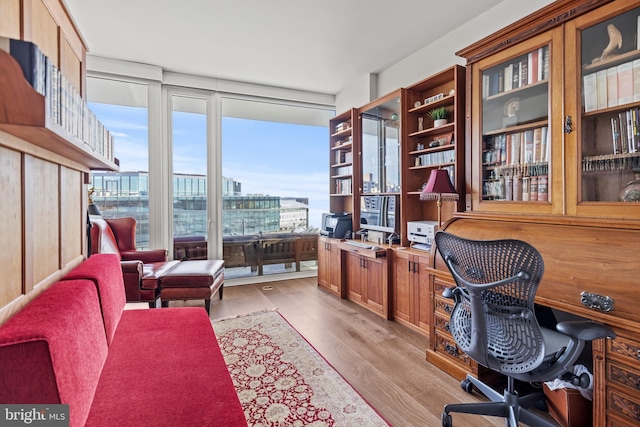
(515,132)
(513,95)
(607,63)
(380,127)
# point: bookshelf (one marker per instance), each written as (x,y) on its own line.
(427,147)
(344,164)
(29,115)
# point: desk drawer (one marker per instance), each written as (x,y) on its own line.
(444,306)
(624,350)
(441,322)
(624,405)
(624,376)
(446,345)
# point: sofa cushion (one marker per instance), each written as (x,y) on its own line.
(165,367)
(105,273)
(53,350)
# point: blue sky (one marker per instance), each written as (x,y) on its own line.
(269,158)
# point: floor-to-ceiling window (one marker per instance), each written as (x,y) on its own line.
(122,107)
(275,176)
(189,164)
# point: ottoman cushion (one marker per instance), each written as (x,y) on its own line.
(193,274)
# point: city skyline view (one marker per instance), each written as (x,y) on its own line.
(268,158)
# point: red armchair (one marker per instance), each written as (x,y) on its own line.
(141,270)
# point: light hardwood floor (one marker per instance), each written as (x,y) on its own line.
(383,360)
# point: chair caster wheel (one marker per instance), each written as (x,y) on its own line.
(541,405)
(446,420)
(466,385)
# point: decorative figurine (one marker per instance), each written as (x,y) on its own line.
(420,124)
(615,42)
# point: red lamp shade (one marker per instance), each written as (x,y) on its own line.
(439,187)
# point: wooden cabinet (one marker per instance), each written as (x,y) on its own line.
(427,147)
(329,265)
(344,165)
(570,128)
(619,381)
(410,289)
(365,278)
(44,165)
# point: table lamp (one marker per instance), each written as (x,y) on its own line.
(439,188)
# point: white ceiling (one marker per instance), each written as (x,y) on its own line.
(320,46)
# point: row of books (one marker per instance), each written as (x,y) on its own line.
(625,132)
(343,170)
(437,158)
(345,141)
(342,156)
(611,87)
(343,186)
(533,188)
(525,70)
(342,126)
(64,105)
(525,147)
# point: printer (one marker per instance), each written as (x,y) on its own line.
(337,225)
(422,231)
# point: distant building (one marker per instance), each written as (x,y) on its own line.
(127,194)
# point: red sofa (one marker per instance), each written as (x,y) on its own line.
(75,344)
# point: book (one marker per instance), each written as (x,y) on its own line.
(636,80)
(508,77)
(515,148)
(31,61)
(544,144)
(515,73)
(615,136)
(533,188)
(622,127)
(534,74)
(524,72)
(537,143)
(545,63)
(527,155)
(543,188)
(601,88)
(540,63)
(590,91)
(625,83)
(525,189)
(612,87)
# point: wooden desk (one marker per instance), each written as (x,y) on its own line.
(603,261)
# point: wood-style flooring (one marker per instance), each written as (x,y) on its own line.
(383,360)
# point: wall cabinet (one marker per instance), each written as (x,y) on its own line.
(329,266)
(410,289)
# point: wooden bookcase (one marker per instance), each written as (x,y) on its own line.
(426,147)
(44,167)
(587,236)
(344,164)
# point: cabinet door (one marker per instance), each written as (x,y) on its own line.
(603,99)
(423,297)
(517,128)
(402,287)
(324,268)
(374,284)
(354,277)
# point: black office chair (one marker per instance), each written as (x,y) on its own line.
(494,322)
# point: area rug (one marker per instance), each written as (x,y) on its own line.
(282,380)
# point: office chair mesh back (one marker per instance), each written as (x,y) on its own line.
(498,278)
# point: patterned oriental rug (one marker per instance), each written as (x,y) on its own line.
(282,380)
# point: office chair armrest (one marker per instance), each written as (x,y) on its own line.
(585,330)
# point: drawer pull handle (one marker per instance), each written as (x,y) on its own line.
(451,349)
(448,309)
(596,302)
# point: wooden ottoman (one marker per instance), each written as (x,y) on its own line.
(196,279)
